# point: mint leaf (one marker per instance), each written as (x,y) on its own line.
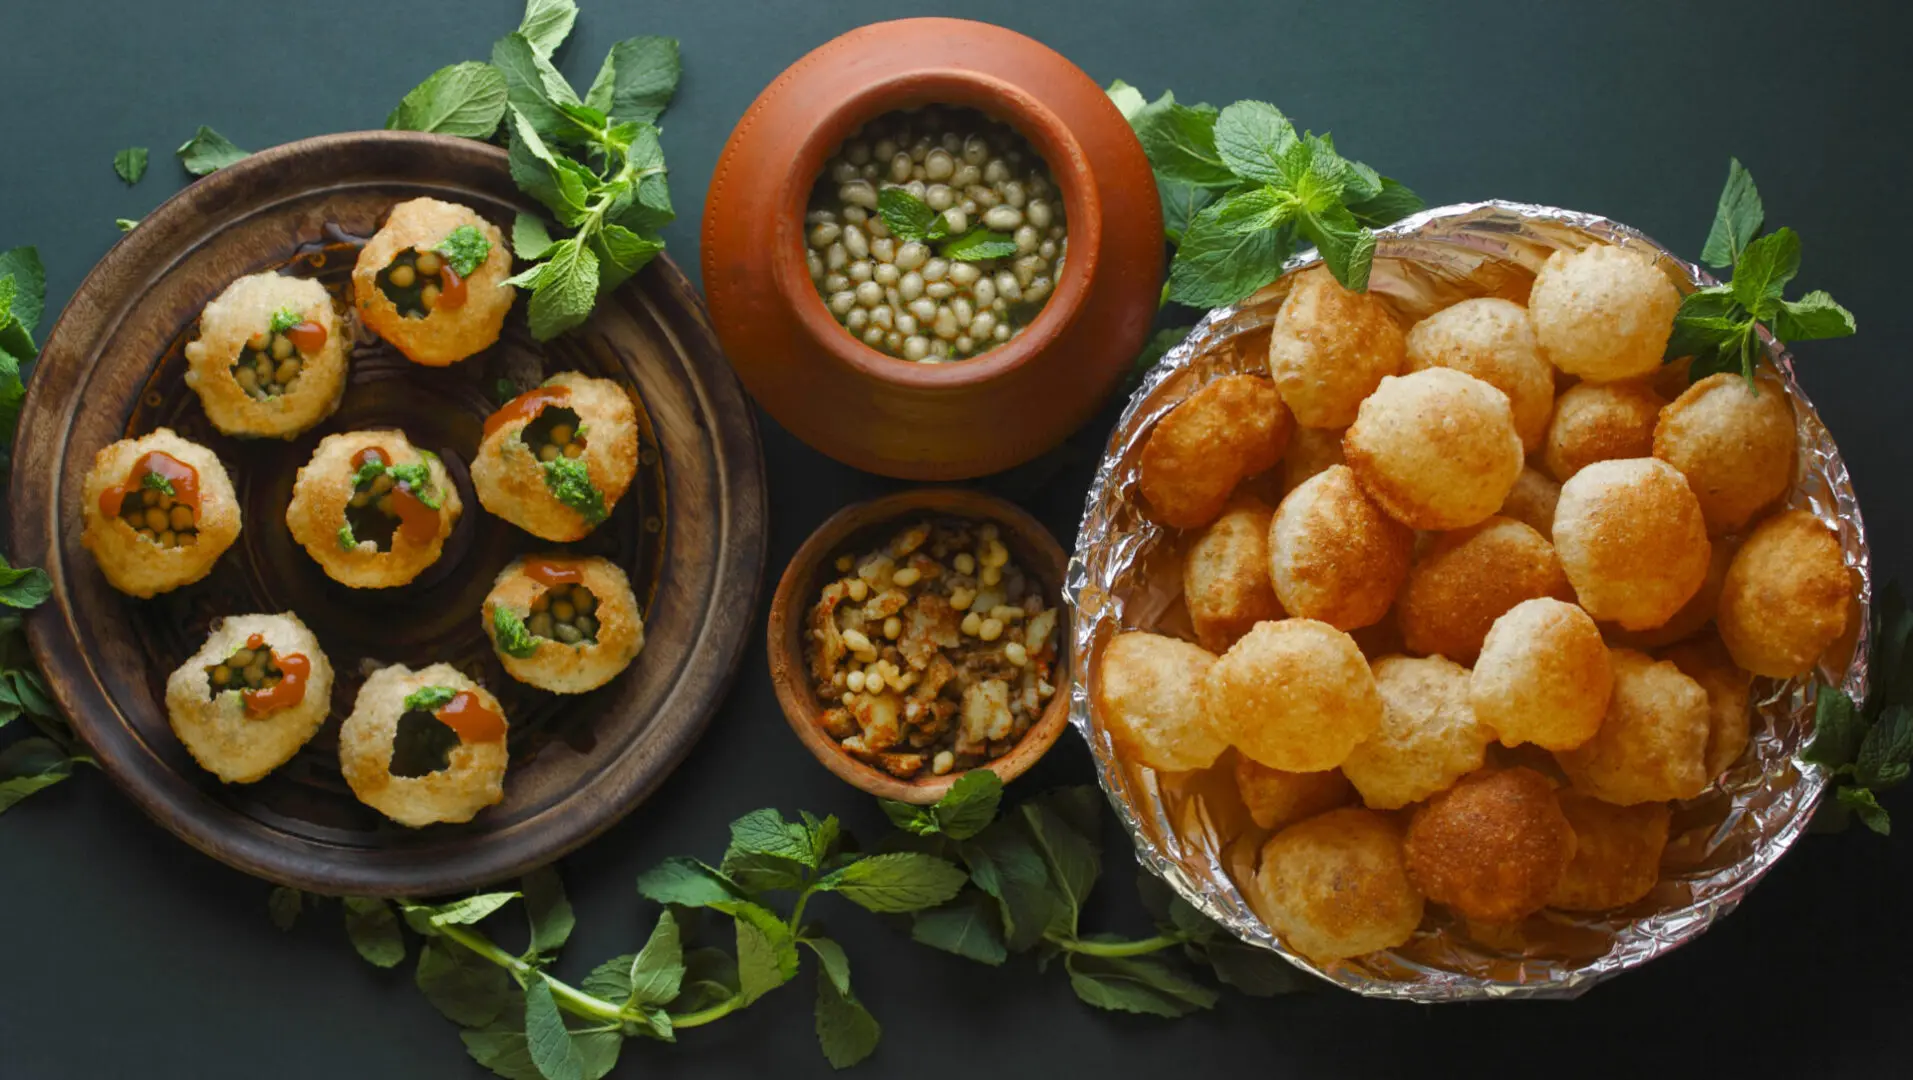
(546,1036)
(466,99)
(471,909)
(1071,857)
(685,881)
(508,630)
(1347,248)
(530,237)
(766,952)
(1136,985)
(637,79)
(126,225)
(565,292)
(765,832)
(1393,202)
(969,926)
(1221,261)
(1885,752)
(130,164)
(504,1052)
(23,587)
(468,989)
(283,906)
(429,699)
(1764,269)
(1837,730)
(1862,802)
(208,151)
(846,1031)
(1251,137)
(621,253)
(1256,972)
(12,395)
(374,931)
(979,244)
(969,806)
(1708,320)
(901,881)
(1005,863)
(657,972)
(647,207)
(537,172)
(547,909)
(535,89)
(465,248)
(1736,220)
(905,215)
(547,23)
(1180,203)
(1181,142)
(1813,316)
(23,265)
(30,765)
(1127,99)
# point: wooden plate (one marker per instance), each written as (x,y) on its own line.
(690,533)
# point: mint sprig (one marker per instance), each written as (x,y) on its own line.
(1868,748)
(910,218)
(45,758)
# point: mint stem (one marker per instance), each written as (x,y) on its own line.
(1139,947)
(570,998)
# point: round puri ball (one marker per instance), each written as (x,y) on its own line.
(1334,886)
(1543,677)
(514,484)
(1428,737)
(1617,853)
(227,738)
(1311,451)
(1600,422)
(1786,596)
(1492,340)
(1277,799)
(1150,691)
(1468,578)
(1329,349)
(1334,555)
(472,779)
(1630,537)
(1532,500)
(1294,695)
(444,335)
(1705,661)
(1652,744)
(244,310)
(1225,574)
(134,564)
(1603,313)
(1437,449)
(1693,615)
(1231,429)
(548,663)
(1734,443)
(323,490)
(1492,847)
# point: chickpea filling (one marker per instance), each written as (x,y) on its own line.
(915,299)
(249,667)
(158,516)
(565,613)
(934,651)
(417,283)
(422,745)
(556,432)
(271,360)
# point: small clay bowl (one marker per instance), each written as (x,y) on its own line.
(861,527)
(895,417)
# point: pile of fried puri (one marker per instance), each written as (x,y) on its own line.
(1506,524)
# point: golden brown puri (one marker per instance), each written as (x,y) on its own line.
(1544,676)
(1468,578)
(1693,615)
(1150,692)
(1277,799)
(1652,743)
(1733,442)
(238,360)
(1334,555)
(590,630)
(474,773)
(1428,736)
(1492,340)
(1334,886)
(1294,695)
(1436,449)
(1630,536)
(1705,661)
(1225,574)
(324,494)
(235,742)
(1603,313)
(1329,349)
(1229,430)
(1786,596)
(173,548)
(1532,499)
(1601,422)
(1491,848)
(442,332)
(1311,451)
(509,471)
(1617,853)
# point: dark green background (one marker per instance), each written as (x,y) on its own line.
(127,954)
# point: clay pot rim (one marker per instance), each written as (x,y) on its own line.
(803,576)
(998,99)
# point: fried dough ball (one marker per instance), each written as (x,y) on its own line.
(1334,555)
(1329,349)
(1334,886)
(380,531)
(1277,799)
(1694,614)
(1652,744)
(1734,443)
(1492,340)
(1428,737)
(1544,676)
(1604,313)
(527,472)
(403,264)
(1601,422)
(235,365)
(171,549)
(1311,451)
(1492,847)
(1786,596)
(1532,500)
(1225,575)
(1231,429)
(1468,578)
(1705,661)
(1150,691)
(1630,536)
(563,623)
(1617,853)
(473,776)
(1295,695)
(239,732)
(1437,449)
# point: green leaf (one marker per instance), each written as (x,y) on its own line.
(1181,142)
(766,952)
(503,1052)
(1390,204)
(23,265)
(126,225)
(28,766)
(687,882)
(1136,985)
(1736,219)
(374,931)
(547,909)
(1764,269)
(1220,263)
(547,23)
(1251,137)
(970,804)
(538,172)
(598,1050)
(429,699)
(1708,320)
(1180,203)
(637,79)
(1886,751)
(710,976)
(969,926)
(208,151)
(1071,858)
(1347,248)
(508,629)
(471,909)
(22,688)
(569,481)
(283,906)
(466,99)
(647,207)
(979,244)
(1862,802)
(130,164)
(1811,317)
(823,836)
(23,587)
(535,89)
(530,236)
(621,253)
(905,215)
(657,972)
(1256,972)
(566,291)
(468,989)
(1005,863)
(1127,99)
(846,1031)
(900,881)
(465,248)
(12,394)
(546,1035)
(1838,730)
(763,873)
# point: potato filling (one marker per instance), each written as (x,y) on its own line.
(565,613)
(554,433)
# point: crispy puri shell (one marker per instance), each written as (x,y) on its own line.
(554,665)
(1277,799)
(1311,451)
(1231,429)
(219,733)
(1334,886)
(1334,555)
(444,335)
(1604,313)
(1437,449)
(1330,347)
(1785,597)
(1428,736)
(244,309)
(1693,615)
(317,510)
(1630,536)
(1652,745)
(1532,500)
(1225,575)
(1294,695)
(472,779)
(1149,693)
(1733,443)
(1617,853)
(1469,578)
(511,484)
(1544,676)
(1705,660)
(1492,340)
(1491,848)
(139,567)
(1600,422)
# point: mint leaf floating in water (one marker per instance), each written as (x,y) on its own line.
(465,99)
(208,151)
(130,164)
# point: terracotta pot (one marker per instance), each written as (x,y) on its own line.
(891,416)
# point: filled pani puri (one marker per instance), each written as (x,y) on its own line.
(1603,313)
(371,509)
(1295,695)
(562,623)
(158,511)
(1225,575)
(1334,886)
(432,282)
(1428,737)
(1334,555)
(424,747)
(270,358)
(1150,693)
(1330,347)
(1231,429)
(1785,597)
(1734,442)
(1652,743)
(554,460)
(1492,340)
(258,690)
(1600,422)
(1543,677)
(1617,853)
(1467,579)
(1491,848)
(1631,539)
(1277,799)
(1437,449)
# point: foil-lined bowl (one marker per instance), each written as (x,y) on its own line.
(1191,828)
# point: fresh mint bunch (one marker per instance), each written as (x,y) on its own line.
(43,759)
(1719,326)
(22,301)
(910,218)
(1869,748)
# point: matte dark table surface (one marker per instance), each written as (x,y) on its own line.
(127,954)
